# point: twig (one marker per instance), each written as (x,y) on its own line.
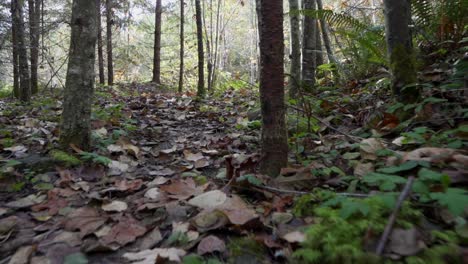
(393,216)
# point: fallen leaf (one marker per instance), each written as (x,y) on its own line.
(27,201)
(211,244)
(53,204)
(369,147)
(85,219)
(117,168)
(209,200)
(192,156)
(22,255)
(405,242)
(130,186)
(181,189)
(153,194)
(115,206)
(151,256)
(295,237)
(124,232)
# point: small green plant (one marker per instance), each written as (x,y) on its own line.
(95,158)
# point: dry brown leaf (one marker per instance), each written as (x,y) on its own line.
(211,244)
(124,232)
(85,219)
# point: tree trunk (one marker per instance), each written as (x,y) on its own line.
(25,81)
(14,42)
(274,133)
(182,39)
(309,42)
(75,127)
(34,18)
(109,22)
(102,79)
(326,37)
(157,44)
(400,49)
(295,70)
(201,75)
(318,51)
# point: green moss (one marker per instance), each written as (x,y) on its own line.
(65,158)
(7,142)
(240,247)
(403,66)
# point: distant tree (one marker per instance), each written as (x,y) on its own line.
(14,42)
(157,44)
(400,50)
(181,51)
(295,70)
(326,37)
(201,56)
(23,69)
(109,23)
(102,79)
(274,133)
(309,46)
(34,7)
(79,86)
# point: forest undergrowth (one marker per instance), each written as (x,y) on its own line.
(173,178)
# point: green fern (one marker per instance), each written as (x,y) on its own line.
(336,20)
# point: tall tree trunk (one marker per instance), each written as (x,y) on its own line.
(400,49)
(75,127)
(157,44)
(109,22)
(14,42)
(309,42)
(209,42)
(102,79)
(318,51)
(326,37)
(182,39)
(295,70)
(274,133)
(201,75)
(25,81)
(34,19)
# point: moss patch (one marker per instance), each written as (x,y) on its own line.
(65,158)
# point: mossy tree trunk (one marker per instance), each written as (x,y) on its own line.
(274,133)
(400,50)
(295,70)
(75,127)
(109,23)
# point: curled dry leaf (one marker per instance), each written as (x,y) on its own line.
(209,200)
(210,220)
(27,201)
(151,256)
(53,204)
(181,189)
(125,185)
(211,244)
(192,156)
(369,147)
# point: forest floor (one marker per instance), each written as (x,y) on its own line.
(172,178)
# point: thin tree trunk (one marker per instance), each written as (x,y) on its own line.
(157,44)
(326,37)
(216,46)
(182,39)
(274,133)
(400,49)
(34,20)
(78,97)
(25,81)
(110,64)
(14,42)
(201,74)
(295,70)
(209,59)
(308,47)
(318,51)
(102,79)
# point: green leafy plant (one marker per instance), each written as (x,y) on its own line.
(95,158)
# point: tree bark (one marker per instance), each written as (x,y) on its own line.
(274,133)
(110,63)
(34,18)
(182,39)
(309,43)
(157,44)
(102,79)
(295,70)
(23,69)
(326,37)
(75,127)
(14,42)
(201,75)
(400,50)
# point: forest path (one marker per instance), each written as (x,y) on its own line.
(158,162)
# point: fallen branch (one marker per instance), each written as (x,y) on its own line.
(391,220)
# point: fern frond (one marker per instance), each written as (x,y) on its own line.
(423,12)
(336,20)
